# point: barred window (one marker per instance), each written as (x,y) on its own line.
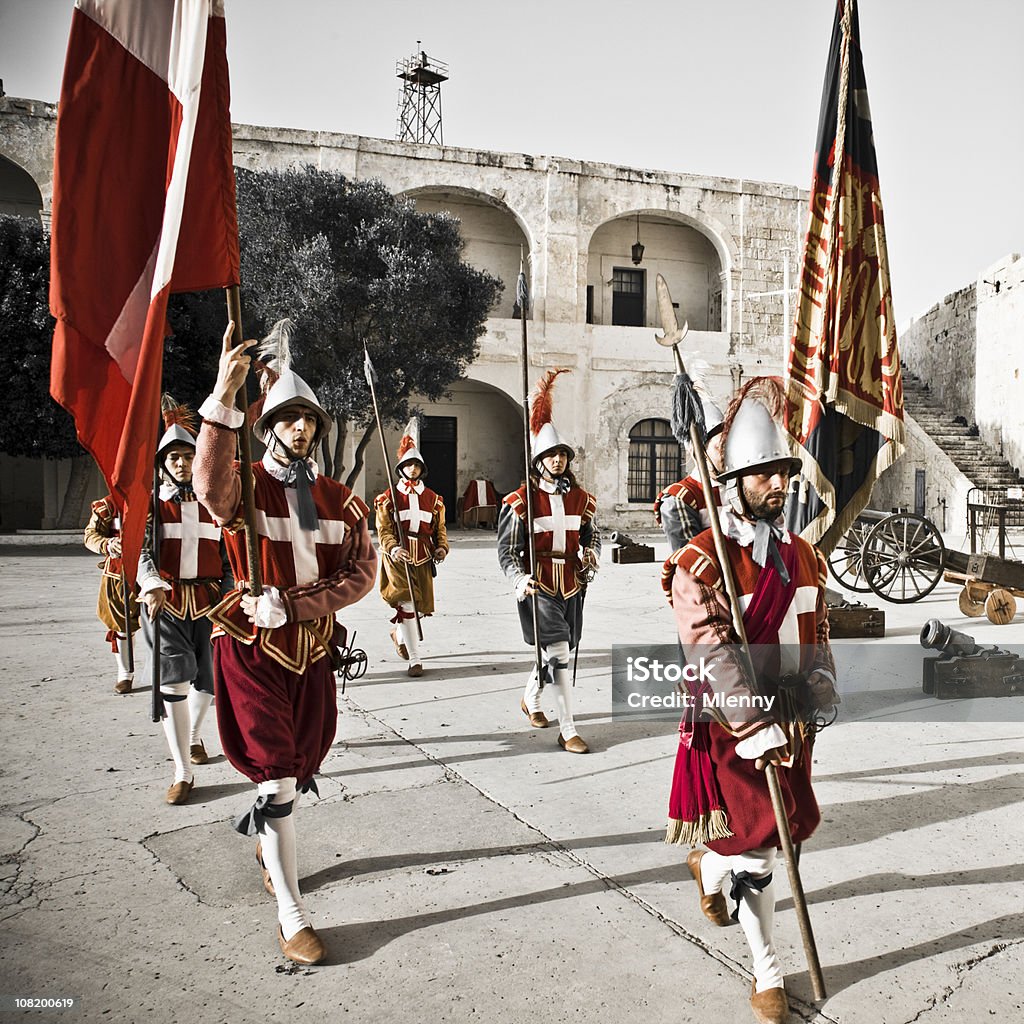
(656,459)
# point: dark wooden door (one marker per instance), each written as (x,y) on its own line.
(439,445)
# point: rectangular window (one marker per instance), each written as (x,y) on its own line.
(628,287)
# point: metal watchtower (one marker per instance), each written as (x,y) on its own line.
(419,106)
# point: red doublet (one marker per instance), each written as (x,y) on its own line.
(299,563)
(689,492)
(106,515)
(418,513)
(692,581)
(557,521)
(190,558)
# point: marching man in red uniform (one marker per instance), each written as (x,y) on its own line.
(421,512)
(568,548)
(719,793)
(103,535)
(276,703)
(681,509)
(192,577)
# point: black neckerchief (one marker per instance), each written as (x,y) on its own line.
(300,475)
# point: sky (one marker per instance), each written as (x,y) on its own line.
(730,88)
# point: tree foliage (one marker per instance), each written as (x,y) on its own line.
(31,422)
(350,262)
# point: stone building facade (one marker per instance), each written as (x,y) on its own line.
(721,243)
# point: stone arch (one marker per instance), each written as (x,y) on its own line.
(694,259)
(488,425)
(19,192)
(493,232)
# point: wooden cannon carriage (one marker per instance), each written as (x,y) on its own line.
(900,556)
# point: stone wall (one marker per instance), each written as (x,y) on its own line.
(945,499)
(1000,362)
(723,243)
(940,347)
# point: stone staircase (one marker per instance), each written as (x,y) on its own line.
(978,461)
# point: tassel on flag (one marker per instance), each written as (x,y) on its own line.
(143,205)
(845,390)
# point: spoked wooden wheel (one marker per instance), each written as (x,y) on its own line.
(902,558)
(846,562)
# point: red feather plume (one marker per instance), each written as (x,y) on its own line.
(769,391)
(541,405)
(177,414)
(405,445)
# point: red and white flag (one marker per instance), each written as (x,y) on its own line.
(143,205)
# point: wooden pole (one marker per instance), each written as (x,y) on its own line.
(252,549)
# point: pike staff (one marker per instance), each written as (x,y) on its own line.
(688,418)
(156,697)
(252,549)
(371,380)
(523,299)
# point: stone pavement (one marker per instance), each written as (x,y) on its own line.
(460,866)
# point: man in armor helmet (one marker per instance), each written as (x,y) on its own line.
(719,794)
(276,701)
(182,585)
(103,535)
(681,509)
(421,511)
(568,546)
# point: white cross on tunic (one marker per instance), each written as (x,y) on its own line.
(190,531)
(481,492)
(414,515)
(557,524)
(303,542)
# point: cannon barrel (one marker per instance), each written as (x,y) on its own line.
(937,636)
(618,537)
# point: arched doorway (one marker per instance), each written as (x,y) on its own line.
(19,194)
(494,239)
(476,434)
(620,292)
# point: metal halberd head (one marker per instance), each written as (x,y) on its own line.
(674,334)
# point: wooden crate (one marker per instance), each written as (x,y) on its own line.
(628,554)
(851,621)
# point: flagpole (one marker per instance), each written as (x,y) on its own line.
(523,298)
(371,376)
(156,696)
(252,550)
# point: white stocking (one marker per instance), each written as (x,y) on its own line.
(281,860)
(175,723)
(531,695)
(407,630)
(121,657)
(756,917)
(562,686)
(199,702)
(756,910)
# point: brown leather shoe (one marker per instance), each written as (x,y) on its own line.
(770,1006)
(575,745)
(537,719)
(415,671)
(197,753)
(179,792)
(304,947)
(403,653)
(267,883)
(123,686)
(715,908)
